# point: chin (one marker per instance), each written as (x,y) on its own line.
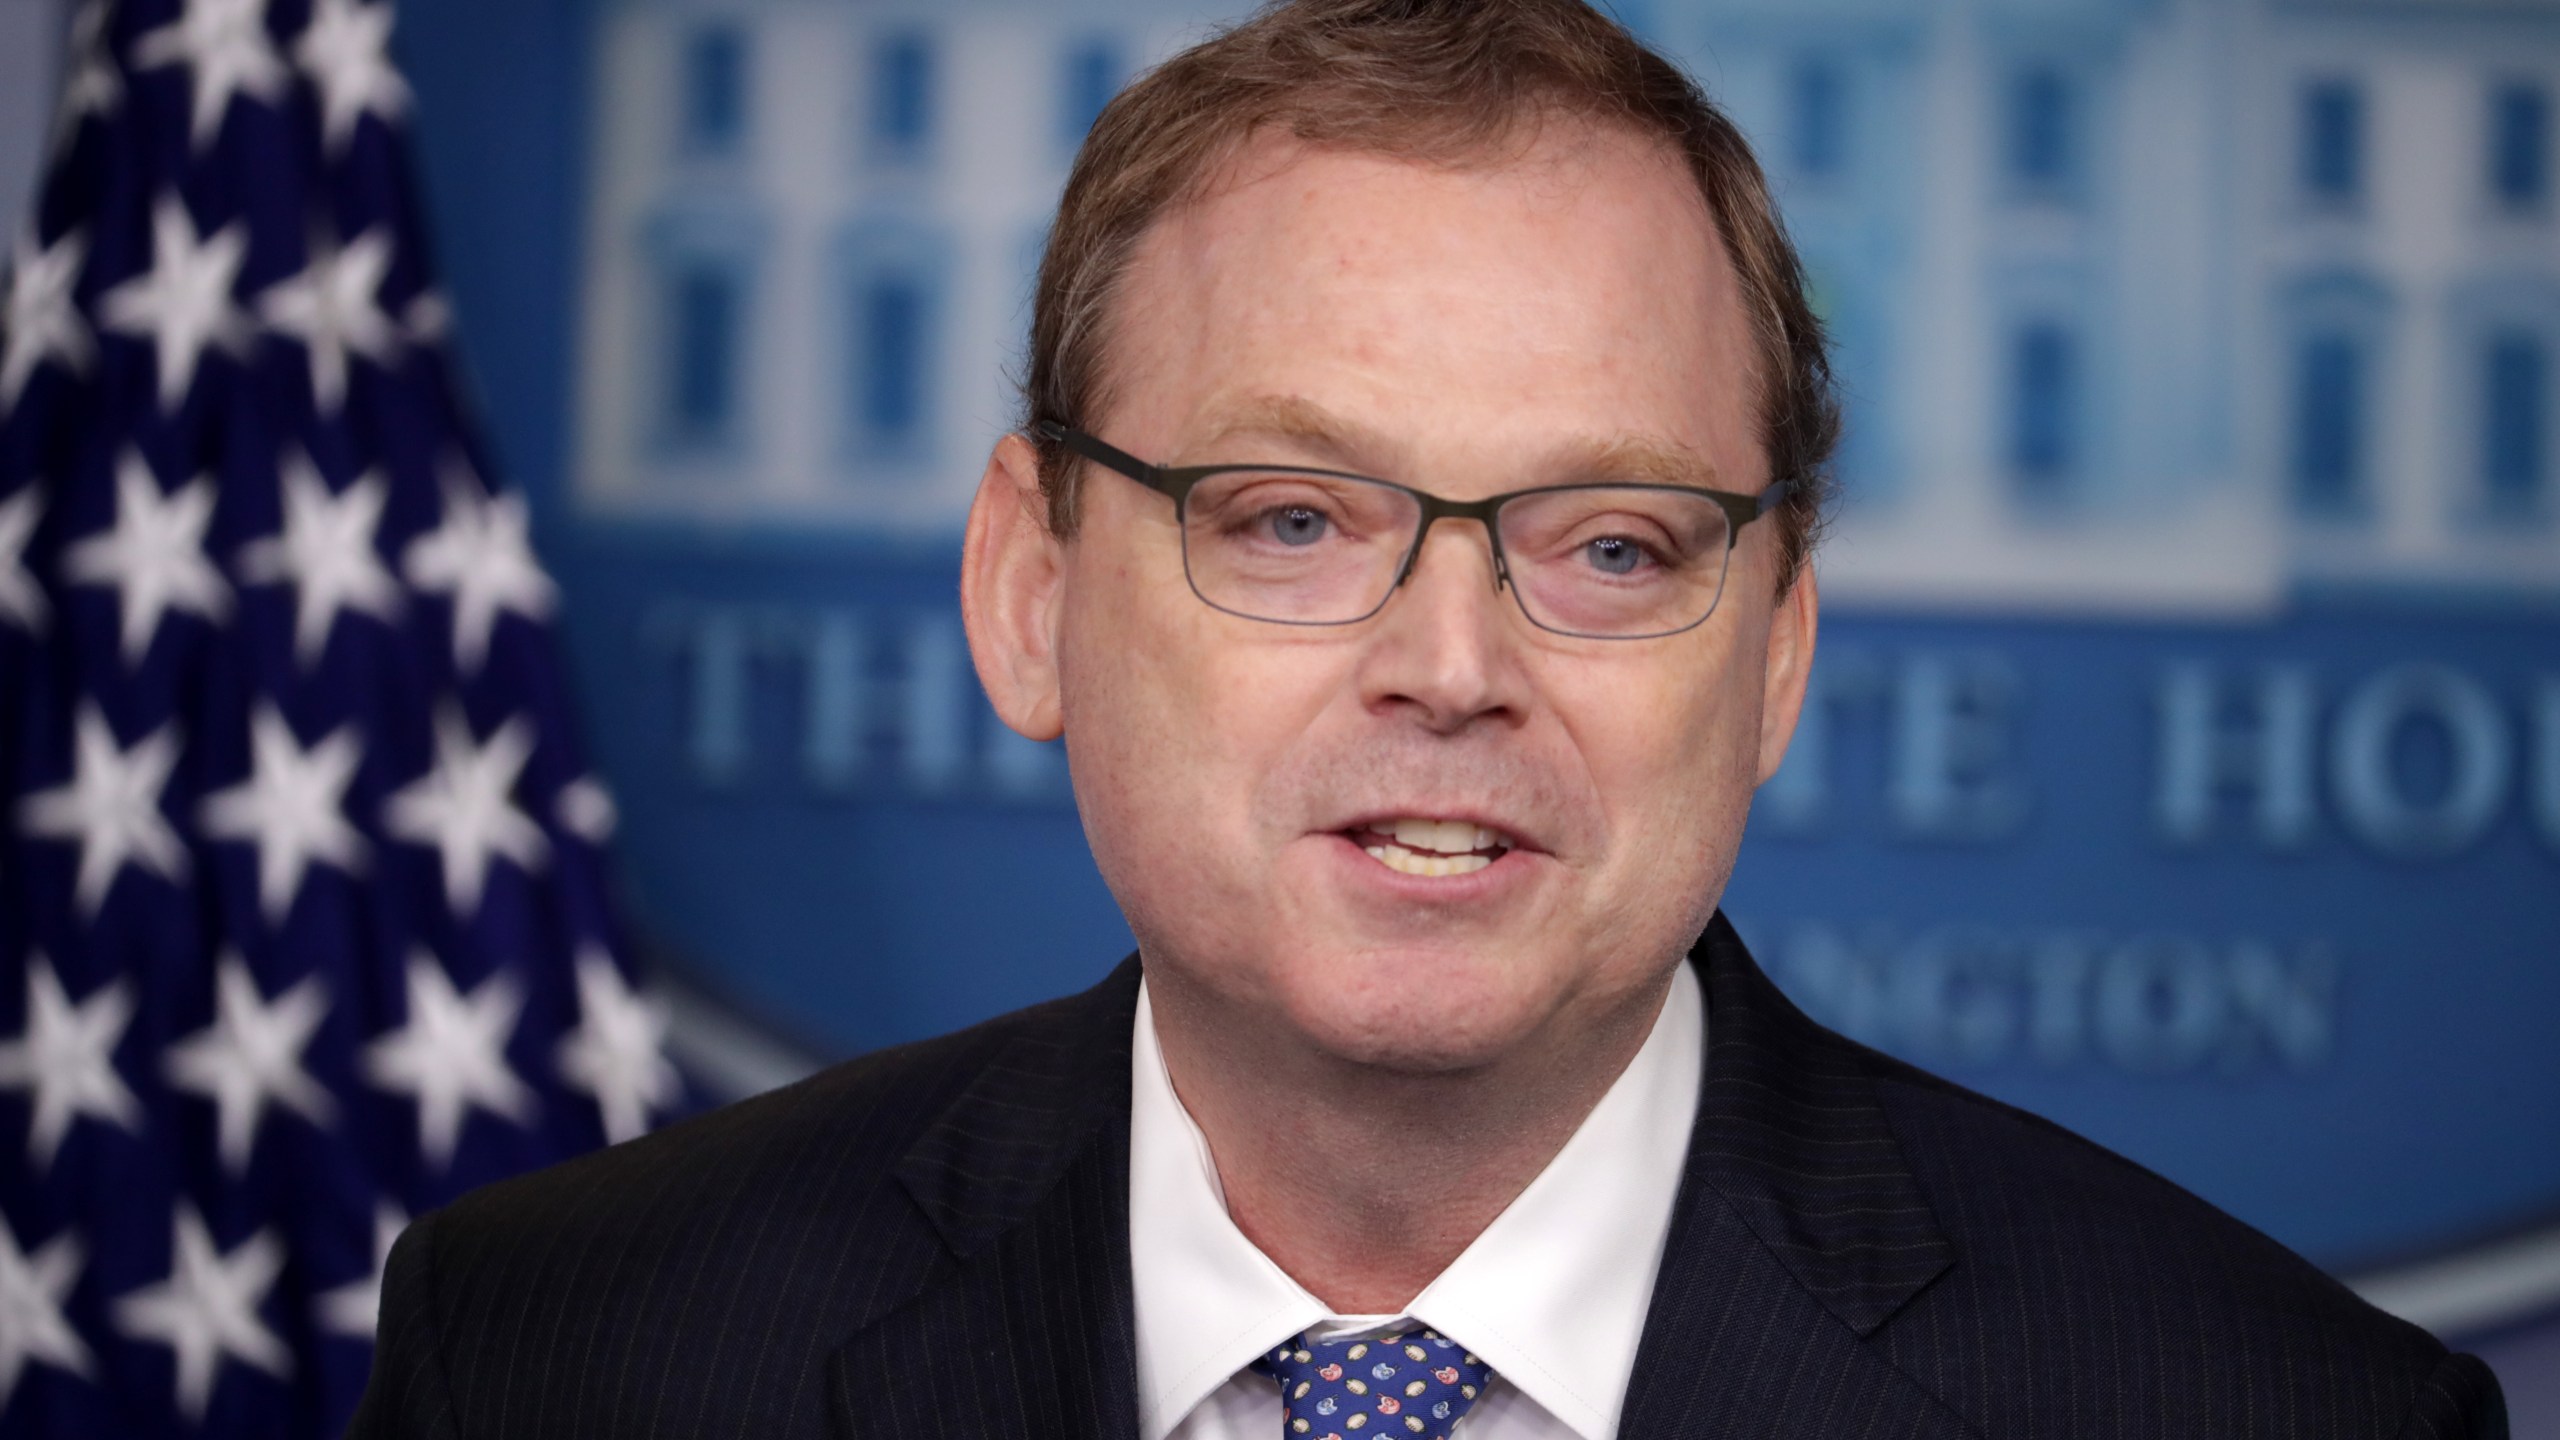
(1414,1009)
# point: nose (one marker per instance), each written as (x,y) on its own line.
(1444,650)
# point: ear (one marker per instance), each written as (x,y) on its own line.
(1011,573)
(1789,662)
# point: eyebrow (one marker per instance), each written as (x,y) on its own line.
(1644,462)
(1298,421)
(1304,424)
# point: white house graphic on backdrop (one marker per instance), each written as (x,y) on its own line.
(2144,306)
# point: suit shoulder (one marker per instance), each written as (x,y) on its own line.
(1992,1166)
(711,1266)
(801,1176)
(2106,1253)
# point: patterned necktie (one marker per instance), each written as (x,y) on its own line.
(1415,1384)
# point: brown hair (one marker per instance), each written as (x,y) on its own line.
(1441,80)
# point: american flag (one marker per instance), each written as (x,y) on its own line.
(303,924)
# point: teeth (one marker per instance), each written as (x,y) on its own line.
(1409,862)
(1443,837)
(1435,847)
(1448,837)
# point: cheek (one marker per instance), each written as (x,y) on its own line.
(1683,785)
(1171,721)
(1674,750)
(1129,705)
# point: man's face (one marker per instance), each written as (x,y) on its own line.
(1565,314)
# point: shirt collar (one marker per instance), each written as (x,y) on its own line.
(1552,1295)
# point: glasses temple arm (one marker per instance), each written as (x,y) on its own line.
(1099,452)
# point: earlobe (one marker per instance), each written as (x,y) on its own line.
(1011,570)
(1788,667)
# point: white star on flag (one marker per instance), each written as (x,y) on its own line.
(326,552)
(32,1325)
(183,302)
(251,1056)
(452,1055)
(21,599)
(66,1056)
(464,807)
(208,1308)
(352,1308)
(111,806)
(586,809)
(289,807)
(615,1053)
(91,85)
(333,307)
(429,317)
(153,554)
(225,43)
(479,554)
(343,50)
(43,321)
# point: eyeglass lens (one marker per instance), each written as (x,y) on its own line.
(1618,561)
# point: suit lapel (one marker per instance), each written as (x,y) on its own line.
(1024,1327)
(1799,1231)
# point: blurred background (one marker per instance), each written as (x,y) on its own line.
(2185,756)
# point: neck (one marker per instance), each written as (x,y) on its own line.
(1417,1165)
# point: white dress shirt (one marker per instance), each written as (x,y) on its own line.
(1552,1295)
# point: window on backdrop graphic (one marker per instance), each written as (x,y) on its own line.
(904,81)
(2515,420)
(2330,163)
(1092,71)
(2045,429)
(893,295)
(2520,146)
(1817,118)
(713,100)
(2043,133)
(702,272)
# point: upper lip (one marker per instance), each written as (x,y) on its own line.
(1510,831)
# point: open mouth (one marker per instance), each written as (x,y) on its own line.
(1414,846)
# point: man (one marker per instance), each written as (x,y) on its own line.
(1408,537)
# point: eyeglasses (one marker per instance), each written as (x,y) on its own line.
(1297,546)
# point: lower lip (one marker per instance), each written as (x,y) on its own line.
(1508,871)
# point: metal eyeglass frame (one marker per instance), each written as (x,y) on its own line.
(1177,482)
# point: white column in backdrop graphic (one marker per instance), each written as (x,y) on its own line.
(30,53)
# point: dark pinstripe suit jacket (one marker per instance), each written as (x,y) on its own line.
(934,1241)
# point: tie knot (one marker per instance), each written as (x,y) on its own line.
(1416,1383)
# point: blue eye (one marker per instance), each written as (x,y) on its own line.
(1614,555)
(1298,525)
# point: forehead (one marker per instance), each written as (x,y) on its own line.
(1568,291)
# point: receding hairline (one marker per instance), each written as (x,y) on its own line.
(1515,143)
